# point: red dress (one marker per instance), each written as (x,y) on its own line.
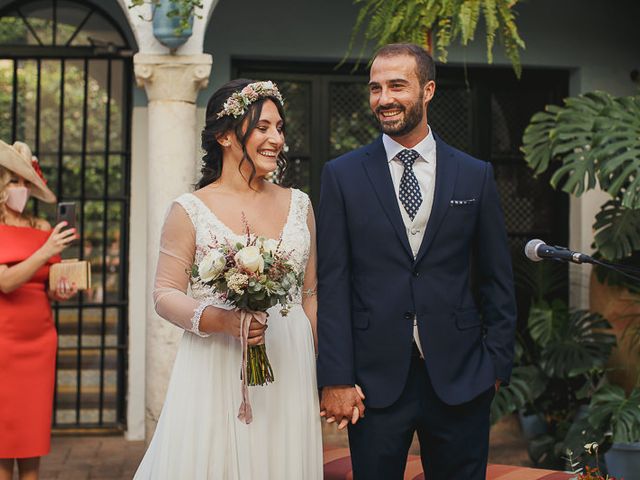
(28,342)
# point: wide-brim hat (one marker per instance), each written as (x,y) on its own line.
(18,159)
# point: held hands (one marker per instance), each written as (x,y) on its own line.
(342,404)
(58,240)
(232,327)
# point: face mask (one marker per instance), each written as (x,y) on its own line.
(17,198)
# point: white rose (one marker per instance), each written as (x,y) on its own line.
(250,259)
(211,266)
(269,245)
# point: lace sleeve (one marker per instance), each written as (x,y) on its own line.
(177,251)
(310,287)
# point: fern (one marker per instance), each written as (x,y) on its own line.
(468,15)
(447,21)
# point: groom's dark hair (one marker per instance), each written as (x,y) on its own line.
(425,66)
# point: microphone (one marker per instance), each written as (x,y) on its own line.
(536,250)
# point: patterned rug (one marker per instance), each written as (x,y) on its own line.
(337,466)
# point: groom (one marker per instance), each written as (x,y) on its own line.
(406,226)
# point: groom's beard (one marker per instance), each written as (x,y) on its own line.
(412,118)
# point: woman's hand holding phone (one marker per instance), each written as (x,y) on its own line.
(59,239)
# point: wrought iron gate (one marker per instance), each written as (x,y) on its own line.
(65,88)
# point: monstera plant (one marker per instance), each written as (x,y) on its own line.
(438,23)
(561,360)
(595,140)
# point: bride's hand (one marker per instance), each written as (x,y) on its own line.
(256,329)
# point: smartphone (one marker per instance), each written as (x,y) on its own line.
(67,213)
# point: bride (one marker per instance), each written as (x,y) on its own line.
(198,435)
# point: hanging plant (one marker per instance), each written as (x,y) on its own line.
(182,10)
(436,24)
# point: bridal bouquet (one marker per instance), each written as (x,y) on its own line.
(252,277)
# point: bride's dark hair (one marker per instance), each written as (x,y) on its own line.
(214,127)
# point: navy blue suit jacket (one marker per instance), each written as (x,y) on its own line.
(370,285)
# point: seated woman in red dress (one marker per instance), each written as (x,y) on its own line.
(28,339)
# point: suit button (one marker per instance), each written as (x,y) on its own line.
(408,315)
(416,273)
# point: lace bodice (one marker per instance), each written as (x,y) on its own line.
(190,227)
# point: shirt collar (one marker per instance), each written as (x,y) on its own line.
(425,147)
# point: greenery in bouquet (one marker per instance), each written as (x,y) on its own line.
(253,277)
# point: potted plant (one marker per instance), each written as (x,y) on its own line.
(560,362)
(612,410)
(595,140)
(172,19)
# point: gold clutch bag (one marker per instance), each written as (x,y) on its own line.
(74,270)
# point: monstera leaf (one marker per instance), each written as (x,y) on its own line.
(612,409)
(539,138)
(566,134)
(547,321)
(571,343)
(527,383)
(617,146)
(617,231)
(596,138)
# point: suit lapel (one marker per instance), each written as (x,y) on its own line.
(446,173)
(377,167)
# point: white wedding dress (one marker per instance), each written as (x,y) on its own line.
(198,435)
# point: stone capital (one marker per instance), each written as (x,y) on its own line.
(176,78)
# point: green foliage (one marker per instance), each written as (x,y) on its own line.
(561,361)
(579,343)
(617,230)
(547,321)
(420,21)
(527,383)
(613,409)
(596,140)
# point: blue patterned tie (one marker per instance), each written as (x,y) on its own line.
(410,195)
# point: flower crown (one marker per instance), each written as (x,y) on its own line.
(237,104)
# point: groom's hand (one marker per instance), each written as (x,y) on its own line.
(341,404)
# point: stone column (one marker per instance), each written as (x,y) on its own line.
(172,83)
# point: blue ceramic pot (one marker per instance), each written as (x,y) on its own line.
(623,460)
(532,425)
(164,27)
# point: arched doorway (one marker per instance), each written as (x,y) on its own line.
(65,89)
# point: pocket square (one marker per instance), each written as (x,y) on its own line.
(468,201)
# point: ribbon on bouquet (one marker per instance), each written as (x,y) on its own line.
(245,414)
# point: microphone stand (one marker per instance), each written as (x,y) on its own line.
(627,270)
(621,269)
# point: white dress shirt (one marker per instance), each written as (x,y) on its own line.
(424,169)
